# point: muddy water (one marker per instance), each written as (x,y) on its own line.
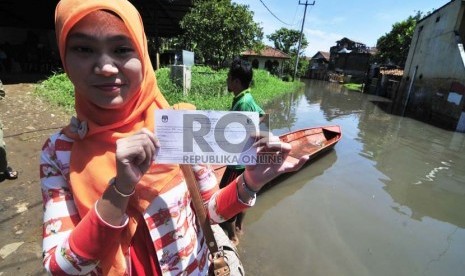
(388,200)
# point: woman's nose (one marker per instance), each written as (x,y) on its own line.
(105,66)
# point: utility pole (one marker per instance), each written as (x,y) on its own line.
(301,33)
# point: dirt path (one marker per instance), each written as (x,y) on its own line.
(28,121)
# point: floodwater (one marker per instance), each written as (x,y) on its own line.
(388,200)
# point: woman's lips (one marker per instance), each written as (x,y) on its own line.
(110,87)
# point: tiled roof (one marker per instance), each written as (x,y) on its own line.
(267,52)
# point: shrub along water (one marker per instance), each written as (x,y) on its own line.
(208,89)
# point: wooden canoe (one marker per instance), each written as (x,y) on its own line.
(312,142)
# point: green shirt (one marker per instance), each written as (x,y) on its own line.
(245,102)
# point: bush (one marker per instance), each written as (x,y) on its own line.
(208,89)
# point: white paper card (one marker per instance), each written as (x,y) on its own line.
(205,136)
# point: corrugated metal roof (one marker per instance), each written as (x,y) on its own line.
(319,54)
(161,17)
(267,52)
(348,39)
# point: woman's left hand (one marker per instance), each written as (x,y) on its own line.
(274,159)
(134,155)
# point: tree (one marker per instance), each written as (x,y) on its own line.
(287,40)
(393,47)
(217,30)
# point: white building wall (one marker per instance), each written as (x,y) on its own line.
(262,61)
(435,64)
(434,48)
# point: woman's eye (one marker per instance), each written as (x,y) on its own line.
(81,49)
(124,50)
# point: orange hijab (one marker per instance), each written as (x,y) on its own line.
(93,155)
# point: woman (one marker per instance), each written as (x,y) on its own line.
(109,209)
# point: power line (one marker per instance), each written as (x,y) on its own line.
(295,14)
(301,32)
(275,15)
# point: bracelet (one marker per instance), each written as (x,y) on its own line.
(112,183)
(248,190)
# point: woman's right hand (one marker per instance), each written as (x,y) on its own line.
(134,155)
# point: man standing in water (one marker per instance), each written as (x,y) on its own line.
(239,79)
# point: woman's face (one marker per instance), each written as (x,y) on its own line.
(102,61)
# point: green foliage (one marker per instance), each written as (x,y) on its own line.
(266,87)
(289,66)
(302,67)
(208,89)
(287,40)
(393,47)
(58,90)
(217,30)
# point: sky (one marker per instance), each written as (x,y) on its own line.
(327,21)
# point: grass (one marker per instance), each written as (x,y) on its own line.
(58,90)
(208,89)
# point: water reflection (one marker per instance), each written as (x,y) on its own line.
(424,164)
(415,158)
(283,111)
(288,184)
(388,200)
(426,174)
(334,100)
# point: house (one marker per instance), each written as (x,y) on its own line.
(349,57)
(269,58)
(347,45)
(318,66)
(432,87)
(383,80)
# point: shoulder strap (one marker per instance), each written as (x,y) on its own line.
(219,263)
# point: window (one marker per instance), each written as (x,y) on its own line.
(255,63)
(268,65)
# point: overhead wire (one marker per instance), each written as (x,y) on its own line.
(295,14)
(274,14)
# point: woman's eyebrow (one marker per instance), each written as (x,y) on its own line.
(78,35)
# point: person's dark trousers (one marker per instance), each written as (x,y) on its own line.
(3,162)
(229,226)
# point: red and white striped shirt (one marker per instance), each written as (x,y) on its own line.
(178,241)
